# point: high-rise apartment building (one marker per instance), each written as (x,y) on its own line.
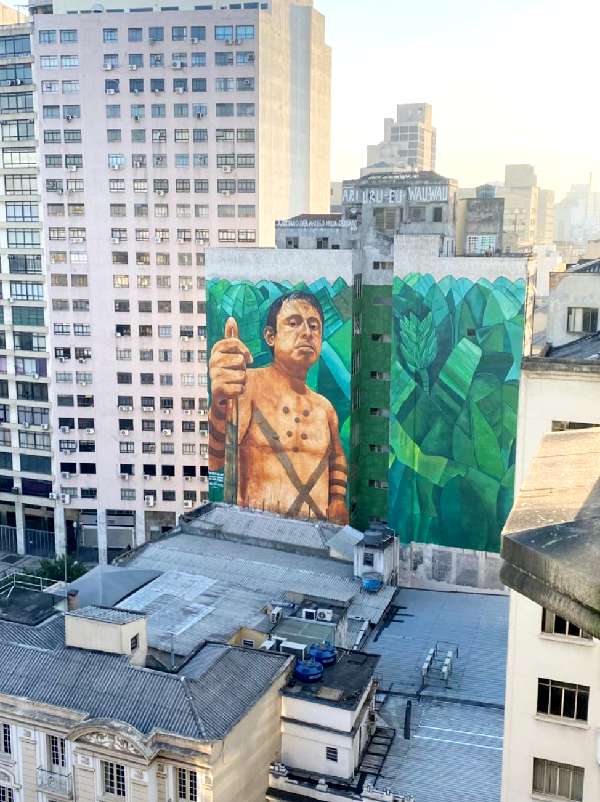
(409,142)
(161,133)
(25,439)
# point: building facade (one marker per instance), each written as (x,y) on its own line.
(26,506)
(409,142)
(161,134)
(403,318)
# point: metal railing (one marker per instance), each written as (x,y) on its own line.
(39,543)
(24,582)
(8,539)
(56,782)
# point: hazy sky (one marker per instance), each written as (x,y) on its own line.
(509,81)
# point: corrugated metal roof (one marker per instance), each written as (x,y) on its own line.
(106,615)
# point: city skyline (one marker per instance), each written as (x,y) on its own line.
(548,49)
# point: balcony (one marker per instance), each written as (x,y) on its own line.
(56,783)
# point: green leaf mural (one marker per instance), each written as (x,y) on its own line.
(455,369)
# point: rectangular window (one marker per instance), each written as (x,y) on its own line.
(557,780)
(554,624)
(563,699)
(6,739)
(582,320)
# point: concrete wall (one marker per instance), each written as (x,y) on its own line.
(532,655)
(569,289)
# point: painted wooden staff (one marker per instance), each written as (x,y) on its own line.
(230,471)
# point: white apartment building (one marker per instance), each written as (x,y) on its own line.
(26,519)
(162,132)
(409,142)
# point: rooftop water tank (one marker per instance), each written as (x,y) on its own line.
(308,671)
(372,582)
(378,536)
(324,653)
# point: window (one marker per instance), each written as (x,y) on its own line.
(556,625)
(113,778)
(368,558)
(557,780)
(331,753)
(110,35)
(187,785)
(135,641)
(563,699)
(156,34)
(57,749)
(6,740)
(581,319)
(224,109)
(224,33)
(244,32)
(134,35)
(178,33)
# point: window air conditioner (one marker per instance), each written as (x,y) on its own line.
(65,498)
(125,476)
(52,496)
(187,505)
(25,425)
(107,67)
(166,432)
(227,168)
(90,431)
(44,427)
(188,478)
(180,90)
(124,432)
(149,501)
(133,67)
(65,429)
(147,409)
(65,474)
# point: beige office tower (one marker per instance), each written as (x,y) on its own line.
(164,130)
(409,142)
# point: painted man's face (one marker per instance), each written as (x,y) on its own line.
(299,336)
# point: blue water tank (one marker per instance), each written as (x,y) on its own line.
(308,671)
(324,653)
(372,582)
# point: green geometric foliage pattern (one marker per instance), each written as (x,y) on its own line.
(249,302)
(456,354)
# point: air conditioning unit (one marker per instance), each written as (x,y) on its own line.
(115,166)
(59,191)
(149,501)
(69,118)
(45,427)
(137,117)
(81,360)
(200,114)
(136,91)
(297,649)
(226,192)
(118,334)
(180,90)
(181,240)
(72,168)
(195,41)
(65,474)
(125,408)
(188,478)
(83,383)
(133,67)
(227,168)
(166,432)
(187,505)
(177,65)
(90,431)
(203,411)
(167,477)
(65,429)
(166,411)
(148,477)
(184,339)
(125,476)
(52,496)
(138,163)
(147,409)
(110,91)
(107,67)
(125,432)
(116,240)
(33,375)
(188,411)
(324,615)
(67,450)
(65,498)
(228,41)
(26,425)
(157,91)
(309,615)
(276,615)
(160,192)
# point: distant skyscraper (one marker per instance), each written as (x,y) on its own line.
(408,142)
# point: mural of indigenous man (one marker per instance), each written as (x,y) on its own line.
(276,439)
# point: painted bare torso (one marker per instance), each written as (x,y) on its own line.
(285,443)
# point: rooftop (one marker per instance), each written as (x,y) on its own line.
(222,570)
(197,704)
(584,349)
(106,615)
(456,732)
(343,683)
(585,266)
(551,546)
(392,178)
